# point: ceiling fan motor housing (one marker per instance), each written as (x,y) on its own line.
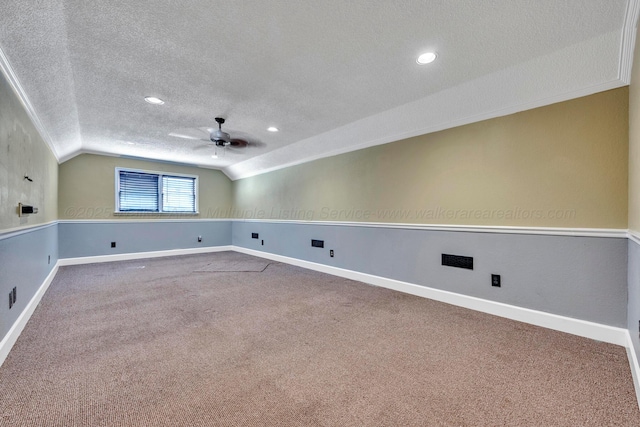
(220,138)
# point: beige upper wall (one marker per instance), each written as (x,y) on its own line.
(23,151)
(634,142)
(563,165)
(87,188)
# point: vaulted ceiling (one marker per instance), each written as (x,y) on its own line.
(331,75)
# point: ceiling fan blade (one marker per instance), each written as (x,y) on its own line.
(239,143)
(234,150)
(179,135)
(192,133)
(208,146)
(241,139)
(217,137)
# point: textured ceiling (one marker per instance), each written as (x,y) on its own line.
(333,75)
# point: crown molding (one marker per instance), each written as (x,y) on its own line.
(627,46)
(541,81)
(234,175)
(14,82)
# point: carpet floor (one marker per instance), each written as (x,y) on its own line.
(167,342)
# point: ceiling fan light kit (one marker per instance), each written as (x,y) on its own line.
(218,137)
(153,100)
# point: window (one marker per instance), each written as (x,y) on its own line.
(153,192)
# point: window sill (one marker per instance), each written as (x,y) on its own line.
(156,213)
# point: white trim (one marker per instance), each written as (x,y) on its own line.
(633,236)
(122,221)
(12,336)
(13,232)
(547,231)
(583,328)
(160,176)
(605,333)
(162,213)
(141,255)
(634,365)
(628,41)
(235,172)
(15,84)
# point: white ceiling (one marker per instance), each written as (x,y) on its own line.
(333,75)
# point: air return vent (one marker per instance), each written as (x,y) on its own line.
(457,261)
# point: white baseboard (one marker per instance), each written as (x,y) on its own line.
(141,255)
(12,336)
(633,364)
(583,328)
(596,331)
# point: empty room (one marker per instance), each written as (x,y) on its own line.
(404,213)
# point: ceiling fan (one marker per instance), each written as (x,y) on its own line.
(217,136)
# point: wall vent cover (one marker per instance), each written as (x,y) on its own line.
(457,261)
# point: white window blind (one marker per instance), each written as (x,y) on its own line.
(178,194)
(139,191)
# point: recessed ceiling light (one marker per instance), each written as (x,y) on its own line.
(130,143)
(426,58)
(153,100)
(272,129)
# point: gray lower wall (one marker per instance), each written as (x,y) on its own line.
(578,277)
(25,264)
(82,239)
(633,309)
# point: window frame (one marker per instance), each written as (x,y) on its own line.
(159,175)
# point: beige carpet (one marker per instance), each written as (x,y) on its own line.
(153,343)
(234,263)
